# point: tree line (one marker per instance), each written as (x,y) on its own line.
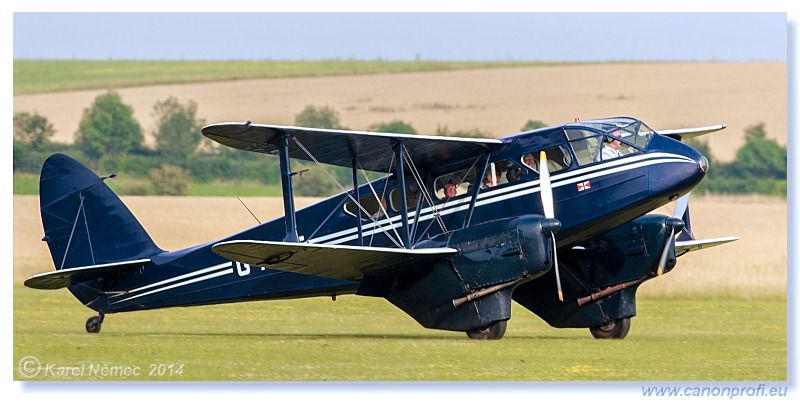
(109,139)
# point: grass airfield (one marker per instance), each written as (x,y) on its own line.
(368,339)
(721,315)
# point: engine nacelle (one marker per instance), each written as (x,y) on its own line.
(493,257)
(600,277)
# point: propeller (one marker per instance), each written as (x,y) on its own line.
(681,206)
(550,224)
(675,224)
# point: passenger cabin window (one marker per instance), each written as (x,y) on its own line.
(454,184)
(558,158)
(413,197)
(501,172)
(374,208)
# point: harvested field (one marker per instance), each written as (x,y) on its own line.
(753,267)
(665,95)
(500,101)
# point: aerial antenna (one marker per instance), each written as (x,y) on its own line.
(248,209)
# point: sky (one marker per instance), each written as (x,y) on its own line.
(481,36)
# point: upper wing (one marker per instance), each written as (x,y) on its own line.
(680,134)
(67,277)
(682,247)
(335,261)
(339,147)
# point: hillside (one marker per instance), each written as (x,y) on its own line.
(498,100)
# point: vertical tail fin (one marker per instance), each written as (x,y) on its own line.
(84,222)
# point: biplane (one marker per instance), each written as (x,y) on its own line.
(449,230)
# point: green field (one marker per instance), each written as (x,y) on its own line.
(37,76)
(359,338)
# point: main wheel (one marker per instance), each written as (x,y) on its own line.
(93,324)
(495,331)
(616,329)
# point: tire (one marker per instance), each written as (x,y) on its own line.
(93,324)
(495,331)
(616,329)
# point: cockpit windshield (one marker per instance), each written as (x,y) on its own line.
(603,139)
(632,131)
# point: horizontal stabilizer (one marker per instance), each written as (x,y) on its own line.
(682,134)
(334,261)
(67,277)
(682,247)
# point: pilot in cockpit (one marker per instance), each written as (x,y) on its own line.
(611,147)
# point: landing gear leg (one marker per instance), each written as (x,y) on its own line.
(495,331)
(93,323)
(616,329)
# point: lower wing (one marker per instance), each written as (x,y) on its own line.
(682,247)
(342,262)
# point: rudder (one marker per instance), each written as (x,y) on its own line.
(84,221)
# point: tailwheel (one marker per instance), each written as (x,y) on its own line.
(616,329)
(93,324)
(495,331)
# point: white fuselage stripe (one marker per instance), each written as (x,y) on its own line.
(218,270)
(450,207)
(526,188)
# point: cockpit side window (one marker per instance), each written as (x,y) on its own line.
(585,144)
(590,146)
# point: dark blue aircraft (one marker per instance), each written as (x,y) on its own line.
(557,219)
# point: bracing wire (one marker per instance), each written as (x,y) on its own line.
(345,191)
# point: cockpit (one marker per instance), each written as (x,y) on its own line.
(603,139)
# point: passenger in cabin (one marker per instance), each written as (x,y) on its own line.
(412,196)
(514,174)
(450,189)
(529,160)
(489,180)
(381,209)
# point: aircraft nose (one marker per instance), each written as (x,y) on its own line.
(703,162)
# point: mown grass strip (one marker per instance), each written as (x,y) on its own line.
(361,338)
(37,76)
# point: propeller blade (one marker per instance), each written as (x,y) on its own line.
(675,225)
(549,212)
(665,253)
(681,205)
(546,189)
(558,276)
